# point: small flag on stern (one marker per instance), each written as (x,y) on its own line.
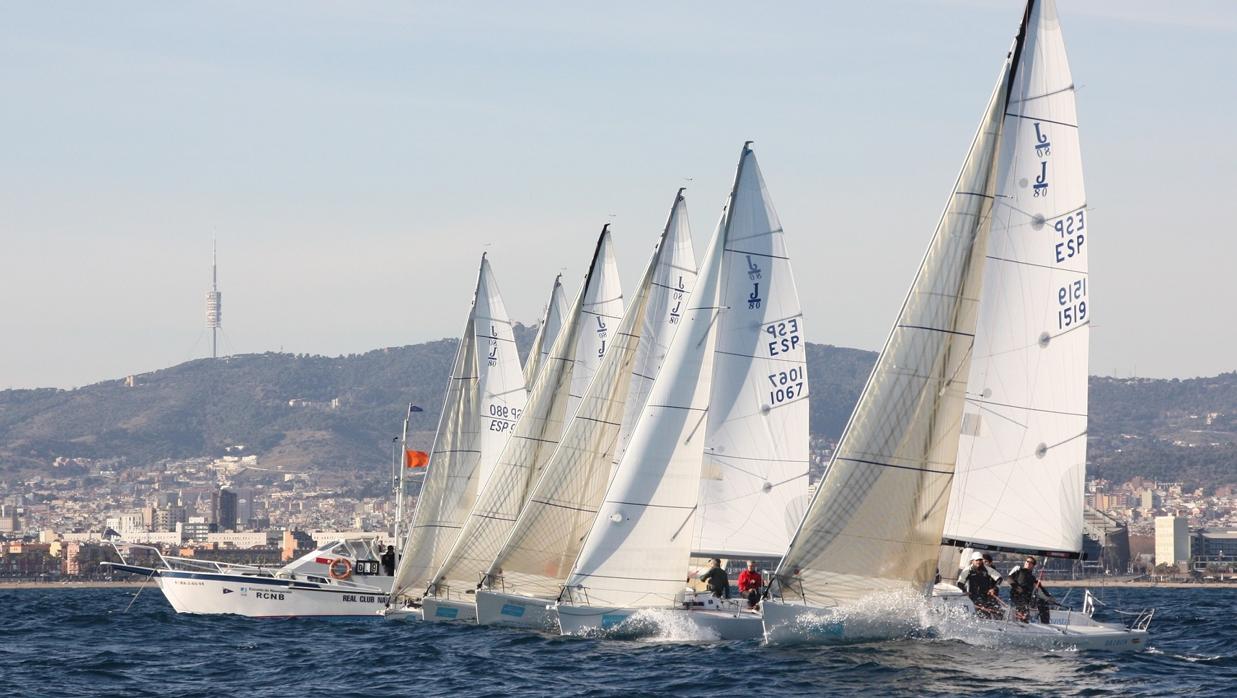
(416,459)
(413,408)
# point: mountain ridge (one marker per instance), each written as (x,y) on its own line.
(299,411)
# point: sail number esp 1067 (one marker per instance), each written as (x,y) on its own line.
(787,385)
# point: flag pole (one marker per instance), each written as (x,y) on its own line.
(399,494)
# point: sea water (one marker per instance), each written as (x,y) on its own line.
(83,642)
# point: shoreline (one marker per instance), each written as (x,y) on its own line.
(71,585)
(1099,583)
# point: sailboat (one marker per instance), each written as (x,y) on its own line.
(871,533)
(484,398)
(553,401)
(720,430)
(531,567)
(547,331)
(1018,486)
(754,478)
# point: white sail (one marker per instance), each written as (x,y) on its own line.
(537,556)
(485,394)
(753,488)
(534,438)
(547,331)
(874,523)
(1022,454)
(603,309)
(637,551)
(672,286)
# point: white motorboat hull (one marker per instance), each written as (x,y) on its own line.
(789,623)
(438,610)
(264,597)
(500,608)
(952,615)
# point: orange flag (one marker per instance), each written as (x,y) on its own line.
(416,459)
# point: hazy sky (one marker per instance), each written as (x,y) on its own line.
(355,159)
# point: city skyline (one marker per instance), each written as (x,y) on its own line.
(353,168)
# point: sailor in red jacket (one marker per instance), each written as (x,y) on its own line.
(750,582)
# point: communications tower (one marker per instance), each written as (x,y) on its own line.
(214,307)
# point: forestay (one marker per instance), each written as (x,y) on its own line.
(1022,454)
(753,488)
(875,521)
(535,434)
(485,394)
(547,331)
(537,557)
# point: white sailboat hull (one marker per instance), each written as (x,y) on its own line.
(499,608)
(669,623)
(402,614)
(789,623)
(952,615)
(436,610)
(590,620)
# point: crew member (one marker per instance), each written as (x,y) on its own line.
(978,585)
(750,582)
(388,561)
(716,580)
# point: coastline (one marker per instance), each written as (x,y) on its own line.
(71,585)
(1101,583)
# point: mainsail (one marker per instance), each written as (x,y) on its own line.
(875,520)
(547,331)
(753,487)
(579,347)
(1022,454)
(485,394)
(537,556)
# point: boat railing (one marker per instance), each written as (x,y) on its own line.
(568,594)
(189,564)
(1138,620)
(490,581)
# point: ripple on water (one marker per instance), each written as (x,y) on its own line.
(81,642)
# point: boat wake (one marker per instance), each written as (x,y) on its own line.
(888,616)
(660,625)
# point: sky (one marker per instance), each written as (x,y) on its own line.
(353,161)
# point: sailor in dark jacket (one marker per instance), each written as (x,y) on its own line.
(716,580)
(980,587)
(1025,591)
(388,561)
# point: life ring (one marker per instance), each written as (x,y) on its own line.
(339,568)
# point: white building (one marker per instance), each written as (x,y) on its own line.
(1172,540)
(243,539)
